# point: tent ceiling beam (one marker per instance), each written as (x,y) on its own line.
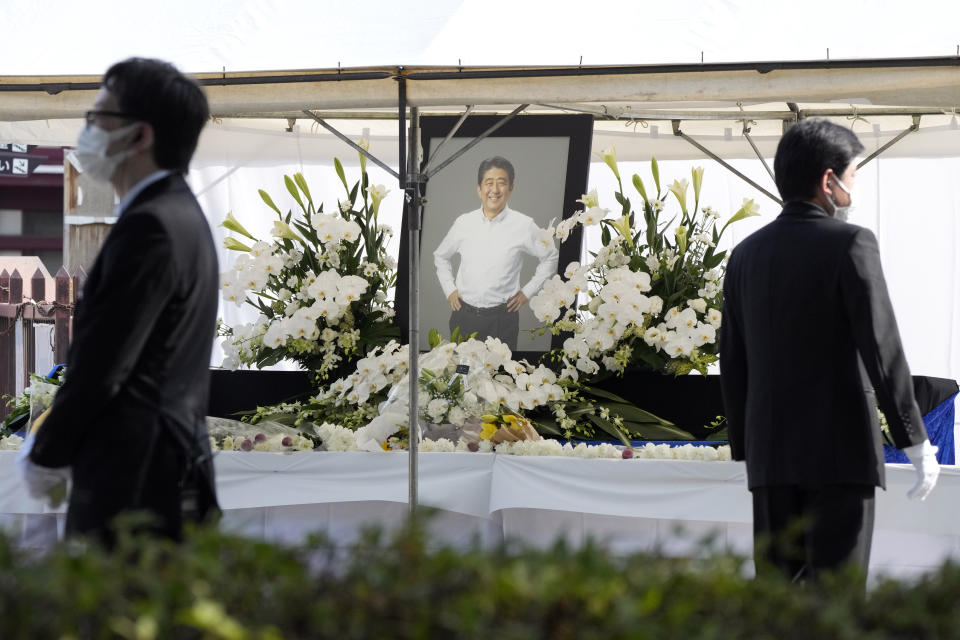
(323,123)
(723,163)
(475,141)
(606,114)
(911,83)
(913,127)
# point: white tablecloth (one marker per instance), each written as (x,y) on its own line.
(628,505)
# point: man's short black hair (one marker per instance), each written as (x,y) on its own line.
(174,105)
(496,162)
(806,150)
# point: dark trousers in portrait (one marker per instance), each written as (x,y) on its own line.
(803,531)
(494,322)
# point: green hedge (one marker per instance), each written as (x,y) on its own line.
(219,586)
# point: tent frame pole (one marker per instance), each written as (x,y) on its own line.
(453,131)
(410,181)
(326,125)
(677,132)
(763,161)
(913,127)
(432,172)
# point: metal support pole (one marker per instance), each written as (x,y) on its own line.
(746,134)
(475,141)
(323,123)
(723,163)
(900,136)
(414,214)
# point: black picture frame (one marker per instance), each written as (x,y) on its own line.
(525,134)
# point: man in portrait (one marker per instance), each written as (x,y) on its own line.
(493,241)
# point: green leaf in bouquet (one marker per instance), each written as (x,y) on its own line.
(605,235)
(633,413)
(653,431)
(294,191)
(713,261)
(269,201)
(647,356)
(718,435)
(608,427)
(302,183)
(343,178)
(270,358)
(353,193)
(435,339)
(546,425)
(680,367)
(624,407)
(308,232)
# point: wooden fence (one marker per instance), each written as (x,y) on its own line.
(35,331)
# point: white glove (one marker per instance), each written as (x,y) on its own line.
(43,483)
(923,457)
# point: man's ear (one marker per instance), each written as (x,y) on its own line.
(143,139)
(827,182)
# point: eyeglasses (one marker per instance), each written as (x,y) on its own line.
(92,114)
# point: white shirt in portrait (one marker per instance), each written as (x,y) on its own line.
(491,255)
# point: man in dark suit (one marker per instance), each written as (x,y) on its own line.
(808,347)
(129,421)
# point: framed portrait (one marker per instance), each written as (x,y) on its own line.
(481,216)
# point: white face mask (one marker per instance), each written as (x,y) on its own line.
(91,153)
(842,213)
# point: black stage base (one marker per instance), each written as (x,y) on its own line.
(691,402)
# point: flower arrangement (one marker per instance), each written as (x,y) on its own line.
(459,380)
(507,427)
(320,285)
(653,301)
(338,438)
(28,405)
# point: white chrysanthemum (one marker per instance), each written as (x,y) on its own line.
(436,409)
(656,305)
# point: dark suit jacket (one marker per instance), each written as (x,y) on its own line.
(130,417)
(808,334)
